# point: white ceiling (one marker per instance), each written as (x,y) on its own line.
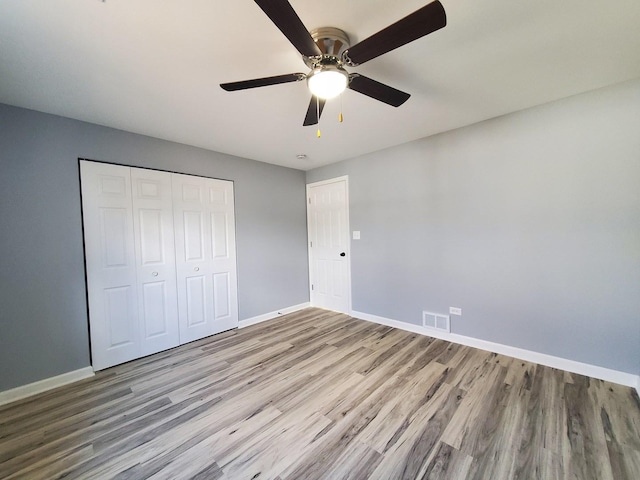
(153,67)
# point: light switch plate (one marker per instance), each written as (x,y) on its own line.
(455,311)
(356,234)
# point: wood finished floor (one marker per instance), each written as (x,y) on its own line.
(317,394)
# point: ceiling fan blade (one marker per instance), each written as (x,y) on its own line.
(286,19)
(263,82)
(377,90)
(314,111)
(426,20)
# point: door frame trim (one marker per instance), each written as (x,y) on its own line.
(345,179)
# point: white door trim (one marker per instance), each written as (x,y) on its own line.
(345,179)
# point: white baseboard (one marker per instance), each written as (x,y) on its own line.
(40,386)
(268,316)
(615,376)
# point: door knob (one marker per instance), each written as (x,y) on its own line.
(342,254)
(155,274)
(196,269)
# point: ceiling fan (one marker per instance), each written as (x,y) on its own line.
(326,51)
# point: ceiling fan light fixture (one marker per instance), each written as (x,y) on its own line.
(327,50)
(328,81)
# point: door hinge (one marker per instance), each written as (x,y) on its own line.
(311,243)
(312,286)
(309,200)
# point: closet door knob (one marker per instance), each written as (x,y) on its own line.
(155,274)
(197,269)
(342,254)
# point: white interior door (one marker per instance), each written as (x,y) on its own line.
(155,260)
(205,256)
(111,266)
(328,230)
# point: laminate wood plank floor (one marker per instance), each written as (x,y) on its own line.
(320,395)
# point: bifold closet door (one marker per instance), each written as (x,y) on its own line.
(130,254)
(205,256)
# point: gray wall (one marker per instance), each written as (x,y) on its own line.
(43,311)
(530,222)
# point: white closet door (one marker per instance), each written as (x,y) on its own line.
(111,266)
(155,260)
(205,256)
(223,246)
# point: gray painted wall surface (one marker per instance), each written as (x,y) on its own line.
(529,222)
(43,312)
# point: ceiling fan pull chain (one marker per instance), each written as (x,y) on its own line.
(340,119)
(318,134)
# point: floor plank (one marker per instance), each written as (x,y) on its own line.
(320,395)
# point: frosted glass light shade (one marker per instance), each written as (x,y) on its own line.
(328,82)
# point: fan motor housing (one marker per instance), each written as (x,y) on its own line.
(331,41)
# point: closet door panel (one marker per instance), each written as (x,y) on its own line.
(223,248)
(196,302)
(222,297)
(220,237)
(155,260)
(119,316)
(111,266)
(194,237)
(192,231)
(203,212)
(154,310)
(152,244)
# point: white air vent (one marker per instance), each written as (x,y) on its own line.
(436,321)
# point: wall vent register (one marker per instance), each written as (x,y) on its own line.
(436,321)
